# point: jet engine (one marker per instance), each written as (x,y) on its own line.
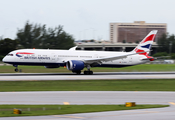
(75,65)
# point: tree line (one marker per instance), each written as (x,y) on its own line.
(37,36)
(166,47)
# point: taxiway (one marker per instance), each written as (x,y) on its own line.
(96,97)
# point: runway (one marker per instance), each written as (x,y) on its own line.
(96,97)
(93,97)
(95,76)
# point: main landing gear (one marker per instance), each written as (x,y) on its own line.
(85,72)
(16,69)
(89,72)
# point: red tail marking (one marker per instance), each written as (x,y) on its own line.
(146,54)
(149,38)
(150,58)
(138,50)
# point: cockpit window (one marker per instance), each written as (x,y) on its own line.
(9,54)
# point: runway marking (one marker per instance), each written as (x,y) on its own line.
(172,103)
(66,103)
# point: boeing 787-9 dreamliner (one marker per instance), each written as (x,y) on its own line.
(77,60)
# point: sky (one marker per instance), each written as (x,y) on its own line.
(83,19)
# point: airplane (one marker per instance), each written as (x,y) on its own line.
(77,60)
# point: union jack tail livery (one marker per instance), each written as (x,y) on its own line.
(145,45)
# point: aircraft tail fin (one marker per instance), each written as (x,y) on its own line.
(145,44)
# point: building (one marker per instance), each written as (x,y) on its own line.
(134,32)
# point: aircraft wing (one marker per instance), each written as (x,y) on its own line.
(105,59)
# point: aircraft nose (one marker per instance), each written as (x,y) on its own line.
(4,59)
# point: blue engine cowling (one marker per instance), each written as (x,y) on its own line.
(75,65)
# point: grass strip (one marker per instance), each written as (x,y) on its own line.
(141,68)
(89,85)
(37,110)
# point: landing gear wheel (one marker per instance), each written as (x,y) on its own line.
(77,72)
(88,72)
(16,69)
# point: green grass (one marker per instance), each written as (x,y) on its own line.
(35,110)
(42,69)
(89,85)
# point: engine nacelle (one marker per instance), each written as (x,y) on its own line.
(75,65)
(52,66)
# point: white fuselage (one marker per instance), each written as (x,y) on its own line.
(59,57)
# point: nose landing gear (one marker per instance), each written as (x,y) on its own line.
(16,69)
